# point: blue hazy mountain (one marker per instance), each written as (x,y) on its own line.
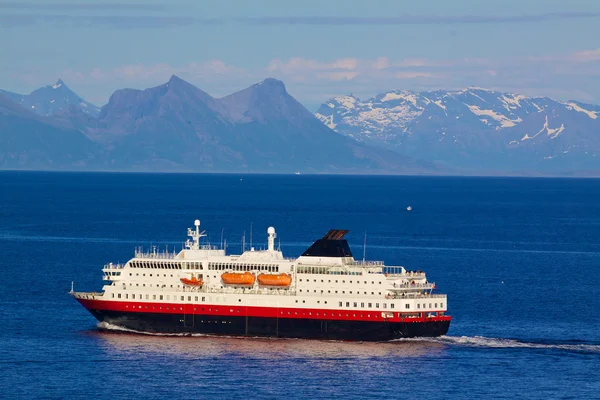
(475,129)
(30,141)
(51,100)
(178,127)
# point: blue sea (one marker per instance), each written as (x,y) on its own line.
(518,258)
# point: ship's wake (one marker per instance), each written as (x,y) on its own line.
(502,343)
(463,341)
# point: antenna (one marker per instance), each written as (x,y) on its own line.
(222,230)
(365,248)
(244,242)
(250,235)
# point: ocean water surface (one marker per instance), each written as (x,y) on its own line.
(518,258)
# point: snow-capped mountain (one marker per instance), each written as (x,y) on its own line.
(52,100)
(474,128)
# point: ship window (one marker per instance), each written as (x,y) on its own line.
(169,297)
(418,306)
(340,304)
(113,295)
(189,298)
(347,304)
(119,295)
(376,305)
(147,296)
(355,304)
(161,297)
(133,296)
(384,305)
(153,297)
(392,305)
(362,304)
(202,298)
(435,305)
(336,281)
(336,291)
(407,306)
(442,305)
(370,305)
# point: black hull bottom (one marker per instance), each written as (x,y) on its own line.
(271,327)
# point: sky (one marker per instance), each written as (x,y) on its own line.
(319,49)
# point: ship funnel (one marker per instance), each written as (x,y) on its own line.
(271,239)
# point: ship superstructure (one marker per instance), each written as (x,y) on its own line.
(323,294)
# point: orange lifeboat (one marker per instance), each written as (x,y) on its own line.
(193,281)
(280,280)
(238,279)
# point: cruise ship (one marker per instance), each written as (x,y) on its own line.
(323,294)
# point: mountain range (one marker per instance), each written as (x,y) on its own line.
(474,129)
(178,127)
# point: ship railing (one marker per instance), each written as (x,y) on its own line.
(361,263)
(155,255)
(407,274)
(88,295)
(413,285)
(417,296)
(114,266)
(280,292)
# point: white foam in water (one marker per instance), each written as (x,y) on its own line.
(111,327)
(467,341)
(499,343)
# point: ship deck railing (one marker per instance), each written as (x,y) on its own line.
(155,255)
(429,285)
(114,266)
(362,263)
(88,295)
(417,296)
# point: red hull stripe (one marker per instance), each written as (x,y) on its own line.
(264,312)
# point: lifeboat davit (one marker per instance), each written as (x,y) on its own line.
(193,281)
(279,280)
(238,279)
